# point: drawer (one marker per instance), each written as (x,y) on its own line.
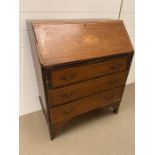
(90,87)
(67,111)
(74,74)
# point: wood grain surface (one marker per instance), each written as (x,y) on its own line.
(63,42)
(80,65)
(90,87)
(75,74)
(76,108)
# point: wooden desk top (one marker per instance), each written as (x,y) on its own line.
(60,42)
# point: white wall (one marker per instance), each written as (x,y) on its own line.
(62,9)
(128,16)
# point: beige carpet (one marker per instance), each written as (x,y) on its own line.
(99,133)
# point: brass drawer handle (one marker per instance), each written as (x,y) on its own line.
(117,66)
(67,111)
(68,76)
(113,82)
(110,97)
(72,93)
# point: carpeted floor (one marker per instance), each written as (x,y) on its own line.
(98,133)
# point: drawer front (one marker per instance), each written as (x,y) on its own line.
(74,74)
(84,105)
(90,87)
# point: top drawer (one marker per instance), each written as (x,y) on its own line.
(74,74)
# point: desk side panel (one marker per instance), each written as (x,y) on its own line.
(38,70)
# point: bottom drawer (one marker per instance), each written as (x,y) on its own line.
(84,105)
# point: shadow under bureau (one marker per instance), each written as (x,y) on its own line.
(80,65)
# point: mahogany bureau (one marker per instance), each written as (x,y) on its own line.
(80,65)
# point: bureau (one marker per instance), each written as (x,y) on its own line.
(80,65)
